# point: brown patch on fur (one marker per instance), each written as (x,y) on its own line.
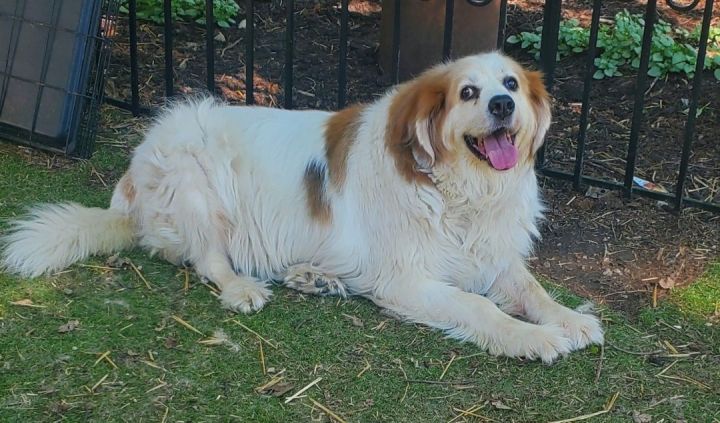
(540,101)
(315,192)
(127,187)
(340,133)
(422,98)
(536,87)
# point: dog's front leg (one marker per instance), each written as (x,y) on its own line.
(516,291)
(471,317)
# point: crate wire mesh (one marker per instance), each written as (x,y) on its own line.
(53,56)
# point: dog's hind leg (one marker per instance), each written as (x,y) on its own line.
(308,279)
(243,294)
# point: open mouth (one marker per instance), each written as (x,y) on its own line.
(497,148)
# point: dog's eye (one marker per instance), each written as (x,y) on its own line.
(468,93)
(511,83)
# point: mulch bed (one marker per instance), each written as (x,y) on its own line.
(596,243)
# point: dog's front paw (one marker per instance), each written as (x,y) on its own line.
(309,280)
(547,343)
(533,342)
(581,329)
(245,297)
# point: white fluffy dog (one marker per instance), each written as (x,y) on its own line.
(424,201)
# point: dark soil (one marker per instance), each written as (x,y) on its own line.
(596,243)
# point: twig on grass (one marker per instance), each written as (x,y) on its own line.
(635,352)
(365,369)
(608,407)
(298,393)
(253,332)
(99,382)
(262,357)
(186,325)
(327,411)
(105,356)
(472,411)
(447,366)
(147,284)
(600,364)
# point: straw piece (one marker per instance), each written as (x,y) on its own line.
(609,406)
(99,382)
(253,332)
(147,284)
(327,411)
(187,325)
(298,393)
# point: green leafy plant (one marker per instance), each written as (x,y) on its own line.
(572,38)
(619,44)
(224,11)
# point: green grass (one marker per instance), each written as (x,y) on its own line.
(383,371)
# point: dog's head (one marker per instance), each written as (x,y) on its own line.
(484,109)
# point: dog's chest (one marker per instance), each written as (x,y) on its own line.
(482,241)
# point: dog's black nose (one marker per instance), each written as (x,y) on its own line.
(501,106)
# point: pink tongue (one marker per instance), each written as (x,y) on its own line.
(500,151)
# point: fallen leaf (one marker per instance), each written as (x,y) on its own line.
(220,37)
(276,388)
(667,283)
(69,326)
(279,389)
(639,417)
(116,261)
(170,342)
(354,320)
(499,405)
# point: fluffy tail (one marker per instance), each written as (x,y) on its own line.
(54,236)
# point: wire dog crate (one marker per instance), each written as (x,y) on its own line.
(53,56)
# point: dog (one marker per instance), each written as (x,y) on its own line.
(424,201)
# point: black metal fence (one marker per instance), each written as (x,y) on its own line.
(548,62)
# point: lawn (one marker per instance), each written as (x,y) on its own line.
(114,341)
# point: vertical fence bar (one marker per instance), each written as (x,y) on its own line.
(134,77)
(650,17)
(548,52)
(396,41)
(289,46)
(249,51)
(589,70)
(549,40)
(45,66)
(210,45)
(167,11)
(692,109)
(448,29)
(502,25)
(342,54)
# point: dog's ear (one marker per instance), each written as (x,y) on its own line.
(540,102)
(415,123)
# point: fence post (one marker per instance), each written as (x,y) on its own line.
(692,107)
(168,31)
(549,40)
(548,52)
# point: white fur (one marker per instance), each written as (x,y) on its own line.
(222,187)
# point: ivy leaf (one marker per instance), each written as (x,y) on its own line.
(513,39)
(677,58)
(717,74)
(655,71)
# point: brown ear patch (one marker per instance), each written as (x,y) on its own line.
(316,192)
(423,99)
(540,101)
(340,133)
(536,87)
